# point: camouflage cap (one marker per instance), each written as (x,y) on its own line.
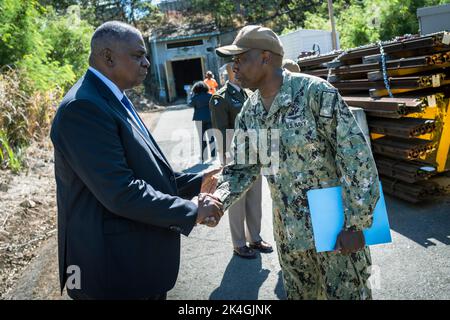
(253,37)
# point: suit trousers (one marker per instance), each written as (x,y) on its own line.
(206,140)
(248,209)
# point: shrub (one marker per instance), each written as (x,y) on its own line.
(41,55)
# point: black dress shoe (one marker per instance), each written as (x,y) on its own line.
(262,246)
(244,252)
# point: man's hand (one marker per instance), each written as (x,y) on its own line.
(350,242)
(210,209)
(209,181)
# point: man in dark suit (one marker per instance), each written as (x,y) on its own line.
(121,207)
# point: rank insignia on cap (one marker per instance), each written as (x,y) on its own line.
(327,102)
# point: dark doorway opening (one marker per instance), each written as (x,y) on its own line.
(186,72)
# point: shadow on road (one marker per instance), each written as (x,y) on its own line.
(241,280)
(279,289)
(421,222)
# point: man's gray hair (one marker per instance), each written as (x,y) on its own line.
(110,33)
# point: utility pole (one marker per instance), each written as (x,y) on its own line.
(333,25)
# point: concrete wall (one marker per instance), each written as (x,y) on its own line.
(161,58)
(303,40)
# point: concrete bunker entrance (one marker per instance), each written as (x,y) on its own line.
(186,72)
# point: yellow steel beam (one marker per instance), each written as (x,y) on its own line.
(444,143)
(428,113)
(375,136)
(428,136)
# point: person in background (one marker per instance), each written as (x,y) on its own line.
(210,82)
(225,106)
(202,117)
(290,65)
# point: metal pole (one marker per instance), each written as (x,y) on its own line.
(333,25)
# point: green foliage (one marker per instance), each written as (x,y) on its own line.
(140,13)
(13,161)
(399,17)
(316,22)
(50,49)
(69,39)
(361,22)
(277,14)
(356,27)
(358,22)
(18,32)
(42,53)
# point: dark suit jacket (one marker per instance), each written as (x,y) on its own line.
(120,205)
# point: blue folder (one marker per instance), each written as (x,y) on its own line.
(327,215)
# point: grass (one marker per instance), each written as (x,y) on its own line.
(13,162)
(25,116)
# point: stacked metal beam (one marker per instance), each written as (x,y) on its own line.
(404,87)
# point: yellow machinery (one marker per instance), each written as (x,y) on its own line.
(437,108)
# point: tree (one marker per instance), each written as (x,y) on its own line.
(41,54)
(96,12)
(278,14)
(51,49)
(18,31)
(361,22)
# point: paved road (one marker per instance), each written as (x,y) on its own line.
(415,266)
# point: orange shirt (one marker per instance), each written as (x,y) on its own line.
(212,85)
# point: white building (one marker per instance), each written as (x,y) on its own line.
(304,40)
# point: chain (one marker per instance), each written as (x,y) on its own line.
(335,60)
(383,65)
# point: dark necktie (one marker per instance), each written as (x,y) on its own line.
(127,103)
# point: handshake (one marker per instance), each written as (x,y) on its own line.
(210,209)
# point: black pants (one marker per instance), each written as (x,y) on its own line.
(206,126)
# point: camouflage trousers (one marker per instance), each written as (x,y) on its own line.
(308,275)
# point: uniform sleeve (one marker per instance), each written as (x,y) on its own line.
(239,176)
(354,160)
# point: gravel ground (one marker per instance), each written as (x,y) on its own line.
(27,212)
